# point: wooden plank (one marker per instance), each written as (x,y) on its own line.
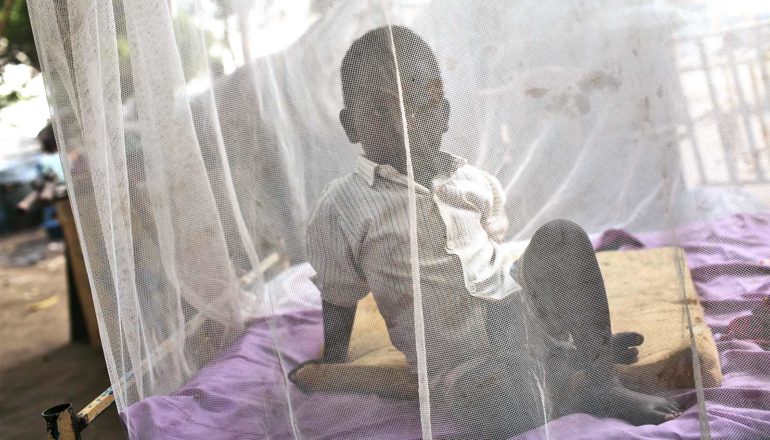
(80,275)
(644,291)
(96,407)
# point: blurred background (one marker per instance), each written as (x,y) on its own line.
(49,348)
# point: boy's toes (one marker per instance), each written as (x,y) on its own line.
(668,407)
(671,415)
(668,410)
(656,415)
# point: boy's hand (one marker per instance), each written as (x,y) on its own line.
(623,346)
(338,324)
(301,380)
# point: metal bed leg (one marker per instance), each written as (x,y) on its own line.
(61,423)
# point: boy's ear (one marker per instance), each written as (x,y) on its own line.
(445,114)
(346,119)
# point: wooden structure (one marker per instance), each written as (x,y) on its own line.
(82,311)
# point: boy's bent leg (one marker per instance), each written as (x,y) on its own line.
(562,276)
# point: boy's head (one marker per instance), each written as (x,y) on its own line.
(372,114)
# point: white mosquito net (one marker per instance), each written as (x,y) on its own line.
(422,219)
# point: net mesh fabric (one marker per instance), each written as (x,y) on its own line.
(213,148)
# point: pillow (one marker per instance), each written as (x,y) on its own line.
(644,291)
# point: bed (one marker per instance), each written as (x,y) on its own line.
(242,394)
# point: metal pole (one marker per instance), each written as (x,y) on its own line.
(727,147)
(61,423)
(746,115)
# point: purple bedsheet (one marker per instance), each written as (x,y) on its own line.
(242,394)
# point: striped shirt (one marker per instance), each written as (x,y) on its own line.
(358,241)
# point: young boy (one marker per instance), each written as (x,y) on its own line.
(509,344)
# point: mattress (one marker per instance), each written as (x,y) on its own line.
(242,394)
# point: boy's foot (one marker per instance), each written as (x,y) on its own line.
(623,346)
(615,400)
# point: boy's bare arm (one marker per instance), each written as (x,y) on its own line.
(338,325)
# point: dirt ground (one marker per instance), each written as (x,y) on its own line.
(39,366)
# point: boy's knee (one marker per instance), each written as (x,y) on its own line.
(560,229)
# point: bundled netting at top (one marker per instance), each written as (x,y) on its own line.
(422,219)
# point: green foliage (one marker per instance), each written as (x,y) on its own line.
(10,98)
(17,45)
